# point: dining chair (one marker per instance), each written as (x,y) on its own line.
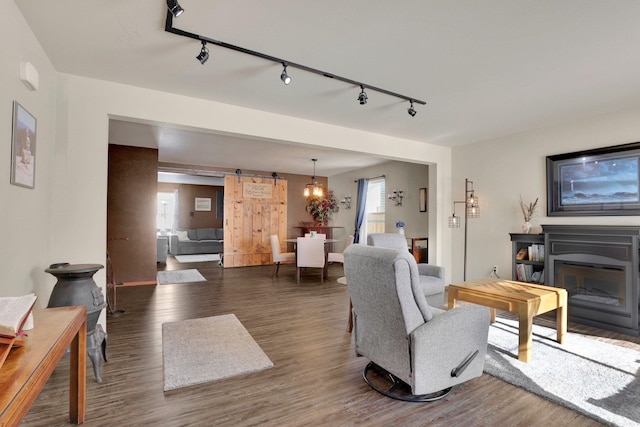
(339,256)
(280,257)
(310,253)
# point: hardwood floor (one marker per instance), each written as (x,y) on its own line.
(316,379)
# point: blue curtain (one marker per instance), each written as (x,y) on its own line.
(363,183)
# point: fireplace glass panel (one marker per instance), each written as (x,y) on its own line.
(592,284)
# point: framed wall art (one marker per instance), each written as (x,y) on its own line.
(604,181)
(203,204)
(423,200)
(23,147)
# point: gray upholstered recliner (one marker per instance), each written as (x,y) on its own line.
(427,349)
(431,276)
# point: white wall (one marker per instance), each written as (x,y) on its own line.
(504,168)
(25,213)
(409,177)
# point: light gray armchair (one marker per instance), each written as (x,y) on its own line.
(422,350)
(431,276)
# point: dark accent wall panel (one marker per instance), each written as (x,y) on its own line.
(131,212)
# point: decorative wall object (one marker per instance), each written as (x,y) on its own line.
(423,200)
(23,147)
(203,204)
(397,197)
(254,190)
(346,202)
(604,181)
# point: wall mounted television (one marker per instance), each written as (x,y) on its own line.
(603,181)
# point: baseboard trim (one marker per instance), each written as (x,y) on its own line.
(147,282)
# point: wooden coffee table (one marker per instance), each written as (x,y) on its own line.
(524,299)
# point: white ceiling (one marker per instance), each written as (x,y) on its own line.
(486,68)
(179,145)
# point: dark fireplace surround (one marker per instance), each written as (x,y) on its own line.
(599,267)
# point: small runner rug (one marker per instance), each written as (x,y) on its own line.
(197,351)
(179,276)
(594,378)
(197,258)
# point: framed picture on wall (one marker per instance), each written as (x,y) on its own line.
(203,204)
(423,200)
(604,181)
(23,147)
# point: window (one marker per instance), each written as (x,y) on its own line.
(374,208)
(166,217)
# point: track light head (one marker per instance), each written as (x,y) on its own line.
(203,56)
(412,112)
(175,9)
(284,76)
(362,98)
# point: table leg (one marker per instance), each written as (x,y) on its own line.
(78,375)
(561,321)
(525,329)
(451,296)
(350,326)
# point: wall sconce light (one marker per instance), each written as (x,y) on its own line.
(397,197)
(346,202)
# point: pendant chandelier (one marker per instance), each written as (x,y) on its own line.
(313,189)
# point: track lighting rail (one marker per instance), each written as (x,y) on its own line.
(171,29)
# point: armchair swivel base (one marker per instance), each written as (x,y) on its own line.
(384,382)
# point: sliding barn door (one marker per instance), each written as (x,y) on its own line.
(254,209)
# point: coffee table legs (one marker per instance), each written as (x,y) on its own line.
(525,330)
(525,342)
(561,320)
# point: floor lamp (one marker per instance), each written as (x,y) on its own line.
(472,210)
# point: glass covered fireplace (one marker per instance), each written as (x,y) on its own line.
(599,268)
(601,287)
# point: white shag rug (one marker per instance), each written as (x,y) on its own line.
(197,351)
(179,276)
(197,258)
(594,378)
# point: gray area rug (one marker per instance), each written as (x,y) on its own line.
(179,276)
(597,379)
(197,351)
(197,258)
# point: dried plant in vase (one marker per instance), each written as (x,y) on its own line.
(528,210)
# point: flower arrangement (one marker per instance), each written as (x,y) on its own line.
(321,209)
(528,210)
(400,224)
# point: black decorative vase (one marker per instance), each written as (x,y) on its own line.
(76,286)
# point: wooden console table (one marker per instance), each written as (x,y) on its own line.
(28,368)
